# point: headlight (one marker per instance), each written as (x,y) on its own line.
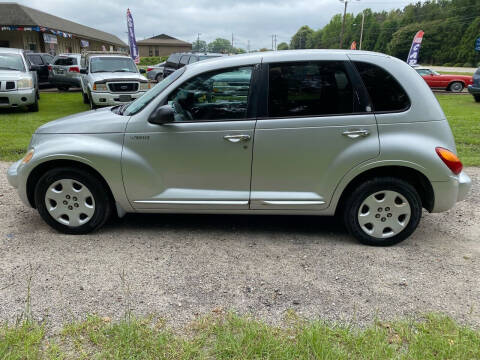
(25,83)
(144,86)
(28,156)
(100,87)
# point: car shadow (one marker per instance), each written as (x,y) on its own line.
(250,224)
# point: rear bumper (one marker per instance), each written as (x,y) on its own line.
(109,99)
(448,193)
(17,98)
(473,90)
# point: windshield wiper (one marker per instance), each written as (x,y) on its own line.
(9,68)
(99,71)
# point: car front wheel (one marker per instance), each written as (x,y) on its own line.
(456,87)
(383,211)
(72,201)
(477,98)
(93,106)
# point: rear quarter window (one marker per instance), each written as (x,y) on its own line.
(386,93)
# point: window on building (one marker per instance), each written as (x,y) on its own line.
(157,52)
(150,51)
(309,89)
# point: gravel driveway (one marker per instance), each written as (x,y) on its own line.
(179,266)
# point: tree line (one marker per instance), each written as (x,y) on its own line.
(451,28)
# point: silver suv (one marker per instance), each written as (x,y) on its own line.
(18,80)
(111,79)
(317,132)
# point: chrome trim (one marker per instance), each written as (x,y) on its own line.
(237,138)
(353,134)
(292,202)
(194,202)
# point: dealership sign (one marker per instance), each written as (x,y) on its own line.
(50,39)
(415,49)
(131,38)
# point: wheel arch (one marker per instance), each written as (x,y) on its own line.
(42,168)
(454,81)
(414,177)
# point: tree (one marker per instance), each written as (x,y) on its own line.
(220,45)
(302,39)
(282,46)
(200,46)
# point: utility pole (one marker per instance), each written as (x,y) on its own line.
(274,42)
(343,22)
(232,43)
(361,31)
(248,46)
(198,42)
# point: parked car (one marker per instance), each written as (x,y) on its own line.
(111,79)
(64,72)
(450,82)
(351,133)
(41,61)
(18,80)
(155,72)
(179,60)
(474,89)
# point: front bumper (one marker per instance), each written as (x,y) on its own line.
(14,179)
(473,90)
(17,98)
(448,193)
(109,99)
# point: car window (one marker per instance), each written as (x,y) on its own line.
(309,89)
(184,60)
(218,95)
(477,72)
(424,71)
(65,61)
(193,59)
(11,62)
(47,59)
(385,91)
(112,64)
(141,102)
(35,59)
(173,60)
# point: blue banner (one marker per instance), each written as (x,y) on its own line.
(415,49)
(131,38)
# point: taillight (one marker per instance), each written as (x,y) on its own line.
(450,159)
(74,69)
(49,67)
(149,68)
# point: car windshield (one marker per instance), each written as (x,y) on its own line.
(11,62)
(112,64)
(139,104)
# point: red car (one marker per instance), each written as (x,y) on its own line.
(450,82)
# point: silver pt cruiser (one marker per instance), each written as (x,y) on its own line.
(318,132)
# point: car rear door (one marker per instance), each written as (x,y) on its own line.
(202,160)
(317,125)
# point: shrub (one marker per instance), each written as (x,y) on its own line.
(152,60)
(458,65)
(467,64)
(448,64)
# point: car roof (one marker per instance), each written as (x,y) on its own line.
(11,50)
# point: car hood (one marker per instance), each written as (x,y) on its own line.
(117,76)
(11,74)
(89,122)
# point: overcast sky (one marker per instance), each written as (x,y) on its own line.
(254,20)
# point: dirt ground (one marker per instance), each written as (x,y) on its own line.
(182,266)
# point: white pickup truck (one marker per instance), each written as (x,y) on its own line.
(109,79)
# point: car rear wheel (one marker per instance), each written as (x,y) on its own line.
(383,211)
(159,77)
(477,98)
(456,87)
(72,201)
(63,87)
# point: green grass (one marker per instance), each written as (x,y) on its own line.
(17,126)
(463,114)
(229,336)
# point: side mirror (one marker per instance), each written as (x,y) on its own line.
(142,71)
(83,71)
(162,115)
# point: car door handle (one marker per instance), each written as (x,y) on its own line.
(353,134)
(237,138)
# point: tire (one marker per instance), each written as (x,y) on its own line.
(158,78)
(477,98)
(456,87)
(93,106)
(65,213)
(33,107)
(390,223)
(85,98)
(63,87)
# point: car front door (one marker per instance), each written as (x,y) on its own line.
(202,160)
(317,127)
